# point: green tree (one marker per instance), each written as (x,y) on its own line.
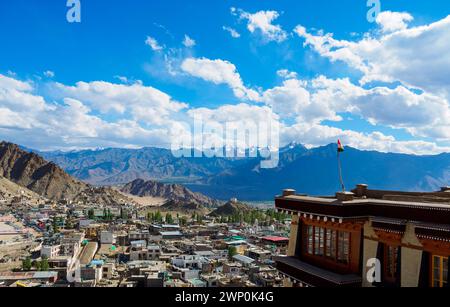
(91,214)
(232,251)
(26,264)
(182,221)
(169,218)
(55,225)
(150,216)
(44,266)
(158,217)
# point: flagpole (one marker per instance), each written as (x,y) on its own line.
(340,171)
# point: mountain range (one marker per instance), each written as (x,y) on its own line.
(313,171)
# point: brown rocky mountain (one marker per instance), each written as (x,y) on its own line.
(9,189)
(171,192)
(231,208)
(45,178)
(184,207)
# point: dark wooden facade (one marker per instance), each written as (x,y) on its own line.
(382,221)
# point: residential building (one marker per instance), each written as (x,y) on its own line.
(367,238)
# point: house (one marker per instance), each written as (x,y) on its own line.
(244,260)
(399,238)
(171,235)
(140,251)
(232,268)
(107,237)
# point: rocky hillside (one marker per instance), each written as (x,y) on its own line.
(184,207)
(231,208)
(33,172)
(171,192)
(45,178)
(9,189)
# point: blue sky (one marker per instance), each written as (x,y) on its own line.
(109,46)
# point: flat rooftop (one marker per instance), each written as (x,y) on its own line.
(426,207)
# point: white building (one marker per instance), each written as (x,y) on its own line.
(50,251)
(107,237)
(189,262)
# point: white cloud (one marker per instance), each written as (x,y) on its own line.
(413,60)
(286,74)
(49,74)
(259,121)
(312,102)
(393,21)
(28,119)
(233,32)
(234,113)
(262,22)
(188,42)
(288,100)
(219,72)
(122,79)
(418,57)
(10,84)
(422,115)
(73,119)
(143,103)
(313,135)
(153,43)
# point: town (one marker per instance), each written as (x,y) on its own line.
(83,245)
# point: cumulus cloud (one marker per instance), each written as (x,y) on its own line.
(262,22)
(393,21)
(219,72)
(29,119)
(290,99)
(396,107)
(417,97)
(420,114)
(72,118)
(143,103)
(239,126)
(402,55)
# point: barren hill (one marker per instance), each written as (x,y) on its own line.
(171,192)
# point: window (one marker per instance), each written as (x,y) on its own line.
(439,272)
(319,241)
(330,246)
(328,243)
(343,247)
(391,263)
